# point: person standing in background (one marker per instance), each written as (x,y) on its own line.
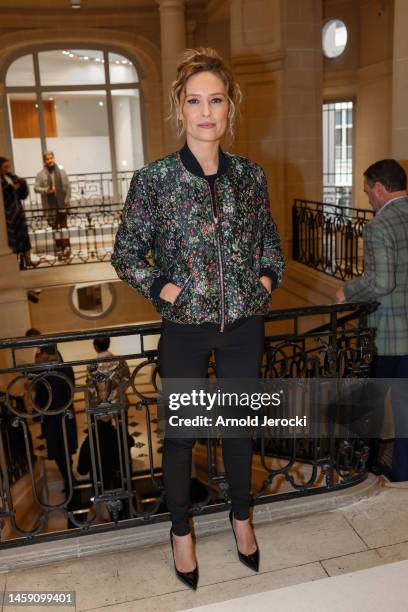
(59,383)
(14,190)
(53,184)
(385,280)
(116,371)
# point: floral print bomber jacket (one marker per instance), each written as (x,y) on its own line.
(214,240)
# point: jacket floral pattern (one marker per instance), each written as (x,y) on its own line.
(213,248)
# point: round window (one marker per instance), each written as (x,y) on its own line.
(334,38)
(93,300)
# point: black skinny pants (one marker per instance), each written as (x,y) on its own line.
(184,351)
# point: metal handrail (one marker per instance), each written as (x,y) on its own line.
(329,237)
(332,464)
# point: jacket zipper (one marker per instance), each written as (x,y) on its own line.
(219,252)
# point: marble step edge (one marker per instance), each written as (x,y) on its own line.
(43,553)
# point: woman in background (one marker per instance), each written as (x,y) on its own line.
(14,190)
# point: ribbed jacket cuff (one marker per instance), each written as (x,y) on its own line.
(157,286)
(272,275)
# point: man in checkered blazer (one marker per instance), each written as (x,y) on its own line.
(385,280)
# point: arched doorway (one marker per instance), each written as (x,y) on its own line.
(84,104)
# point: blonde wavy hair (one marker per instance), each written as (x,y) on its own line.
(191,62)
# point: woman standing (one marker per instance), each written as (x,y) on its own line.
(204,215)
(14,190)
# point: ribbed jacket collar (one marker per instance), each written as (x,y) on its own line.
(192,165)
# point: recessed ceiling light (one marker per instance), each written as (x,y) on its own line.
(76,4)
(100,103)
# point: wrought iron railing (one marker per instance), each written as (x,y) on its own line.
(87,189)
(74,235)
(325,341)
(85,231)
(329,238)
(13,442)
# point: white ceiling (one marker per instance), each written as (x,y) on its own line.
(81,67)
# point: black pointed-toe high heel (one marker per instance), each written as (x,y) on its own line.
(188,578)
(252,560)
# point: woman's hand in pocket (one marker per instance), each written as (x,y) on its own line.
(170,292)
(267,283)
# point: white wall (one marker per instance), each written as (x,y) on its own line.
(77,155)
(121,107)
(136,127)
(87,154)
(81,116)
(27,156)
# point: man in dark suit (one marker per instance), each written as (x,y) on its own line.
(385,280)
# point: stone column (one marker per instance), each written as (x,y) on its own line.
(173,43)
(191,28)
(276,56)
(14,311)
(15,320)
(399,145)
(303,101)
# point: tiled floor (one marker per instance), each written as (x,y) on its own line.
(375,588)
(364,535)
